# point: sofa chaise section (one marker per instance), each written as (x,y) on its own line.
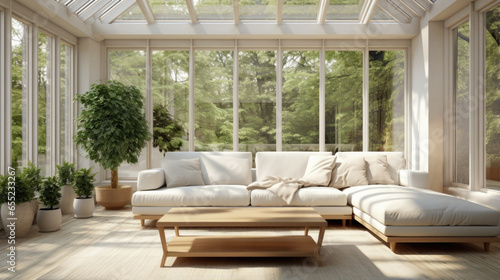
(410,215)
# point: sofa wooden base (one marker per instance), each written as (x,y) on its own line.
(344,218)
(393,240)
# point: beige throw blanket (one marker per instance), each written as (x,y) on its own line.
(285,188)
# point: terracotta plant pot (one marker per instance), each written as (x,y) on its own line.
(83,207)
(49,219)
(24,214)
(67,197)
(113,198)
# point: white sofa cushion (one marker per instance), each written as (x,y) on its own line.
(377,170)
(350,172)
(312,196)
(150,179)
(395,161)
(182,172)
(319,170)
(227,170)
(407,206)
(245,174)
(283,164)
(209,195)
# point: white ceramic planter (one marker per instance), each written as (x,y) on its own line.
(67,197)
(83,207)
(49,219)
(24,214)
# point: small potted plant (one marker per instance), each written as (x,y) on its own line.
(83,205)
(20,206)
(49,218)
(65,174)
(112,129)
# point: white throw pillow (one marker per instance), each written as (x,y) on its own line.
(319,170)
(150,179)
(350,172)
(226,170)
(182,172)
(377,170)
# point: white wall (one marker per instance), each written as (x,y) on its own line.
(89,63)
(427,74)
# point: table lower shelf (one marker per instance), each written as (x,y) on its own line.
(242,246)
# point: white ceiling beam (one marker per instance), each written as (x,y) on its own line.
(368,10)
(426,5)
(117,10)
(146,10)
(392,10)
(279,11)
(192,12)
(58,14)
(77,5)
(246,30)
(92,10)
(404,8)
(414,7)
(236,11)
(323,9)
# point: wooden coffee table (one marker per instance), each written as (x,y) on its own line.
(242,246)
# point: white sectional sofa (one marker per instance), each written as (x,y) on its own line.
(372,187)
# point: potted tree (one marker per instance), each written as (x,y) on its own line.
(167,132)
(112,129)
(49,218)
(83,205)
(20,206)
(65,174)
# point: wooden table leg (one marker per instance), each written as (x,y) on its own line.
(318,246)
(163,245)
(176,231)
(306,231)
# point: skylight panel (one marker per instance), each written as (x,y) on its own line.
(214,9)
(257,9)
(344,9)
(378,14)
(132,13)
(169,9)
(300,9)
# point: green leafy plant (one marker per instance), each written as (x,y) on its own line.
(112,128)
(167,132)
(26,184)
(49,192)
(65,172)
(83,181)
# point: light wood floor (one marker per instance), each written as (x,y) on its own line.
(112,245)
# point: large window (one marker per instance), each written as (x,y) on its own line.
(129,67)
(170,80)
(44,95)
(462,110)
(213,100)
(278,104)
(257,101)
(386,120)
(19,70)
(344,100)
(300,113)
(492,32)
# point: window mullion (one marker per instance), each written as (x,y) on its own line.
(32,104)
(279,99)
(322,77)
(235,97)
(366,98)
(191,97)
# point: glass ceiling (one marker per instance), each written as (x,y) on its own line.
(320,11)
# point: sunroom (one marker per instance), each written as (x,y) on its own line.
(420,77)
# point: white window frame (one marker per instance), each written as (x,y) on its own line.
(278,45)
(474,13)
